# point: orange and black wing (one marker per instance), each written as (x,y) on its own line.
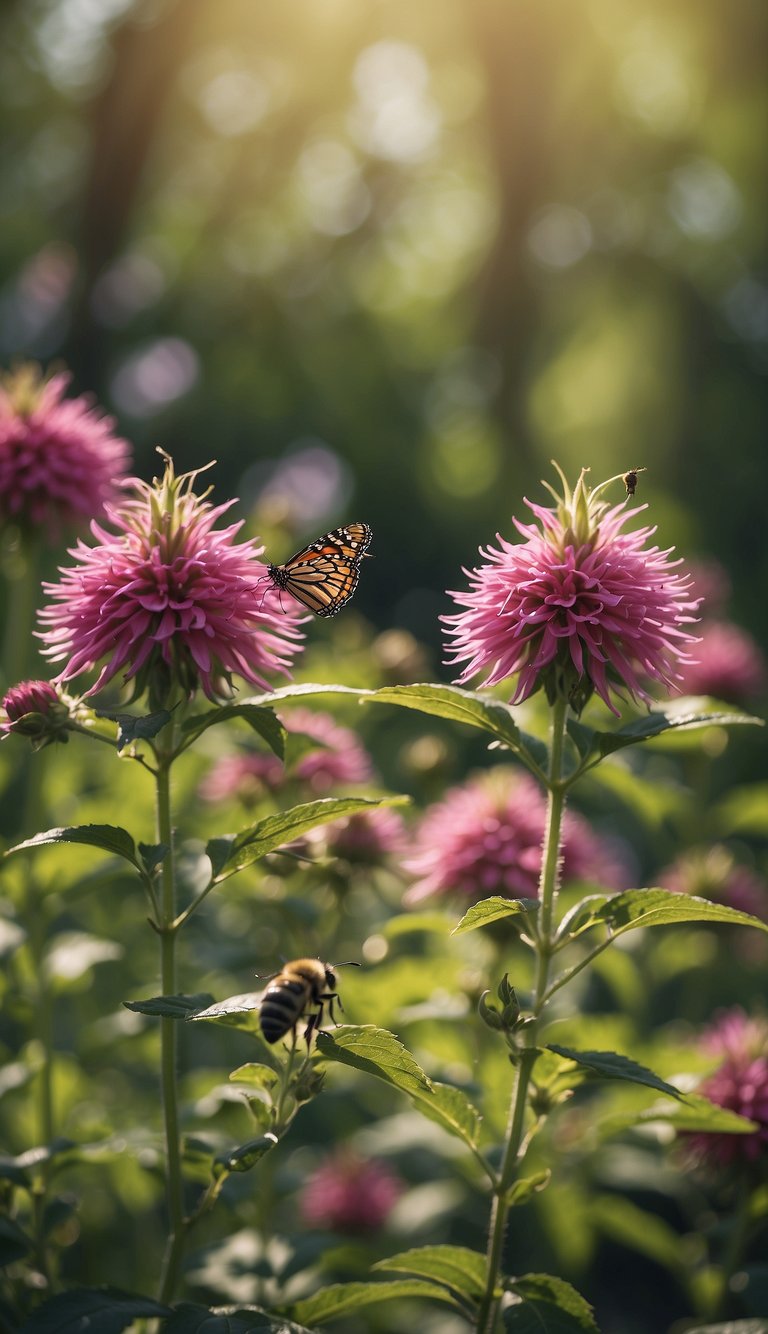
(323,576)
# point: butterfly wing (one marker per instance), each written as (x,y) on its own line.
(323,576)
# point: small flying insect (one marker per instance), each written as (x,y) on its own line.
(630,480)
(302,989)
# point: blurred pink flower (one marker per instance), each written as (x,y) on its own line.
(168,600)
(711,585)
(740,1083)
(366,836)
(712,873)
(338,760)
(729,664)
(60,462)
(486,838)
(577,605)
(350,1194)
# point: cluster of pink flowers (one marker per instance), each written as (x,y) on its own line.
(60,462)
(578,605)
(350,1194)
(713,873)
(739,1083)
(485,838)
(167,599)
(727,663)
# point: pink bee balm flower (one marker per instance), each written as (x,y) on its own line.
(168,600)
(367,837)
(60,462)
(338,760)
(728,664)
(578,605)
(33,709)
(486,838)
(739,1083)
(350,1194)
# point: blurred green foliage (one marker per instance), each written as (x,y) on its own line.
(416,249)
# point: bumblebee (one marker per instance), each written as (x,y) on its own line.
(303,988)
(630,480)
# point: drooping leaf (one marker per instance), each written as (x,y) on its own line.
(612,1065)
(110,838)
(170,1007)
(474,708)
(345,1298)
(661,907)
(245,1156)
(596,745)
(131,728)
(493,910)
(457,1267)
(450,1108)
(377,1052)
(235,851)
(189,1318)
(101,1310)
(547,1305)
(260,719)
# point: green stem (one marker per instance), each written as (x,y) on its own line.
(20,657)
(168,1031)
(734,1251)
(543,945)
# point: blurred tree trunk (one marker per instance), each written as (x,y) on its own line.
(124,123)
(515,47)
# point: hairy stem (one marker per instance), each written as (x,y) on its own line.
(168,1029)
(543,945)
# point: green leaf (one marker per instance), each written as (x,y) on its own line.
(474,708)
(457,1267)
(189,1318)
(492,910)
(377,1052)
(593,745)
(152,855)
(100,1310)
(235,851)
(14,1243)
(130,728)
(744,811)
(612,1065)
(255,1076)
(301,691)
(661,907)
(450,1108)
(526,1187)
(245,1156)
(696,1113)
(624,1223)
(259,719)
(236,1012)
(343,1298)
(170,1007)
(111,838)
(547,1305)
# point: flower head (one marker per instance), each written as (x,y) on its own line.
(33,709)
(60,462)
(350,1194)
(337,760)
(579,605)
(727,664)
(485,838)
(168,600)
(365,837)
(739,1083)
(712,873)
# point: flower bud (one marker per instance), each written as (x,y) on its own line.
(33,709)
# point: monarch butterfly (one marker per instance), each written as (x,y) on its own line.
(324,575)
